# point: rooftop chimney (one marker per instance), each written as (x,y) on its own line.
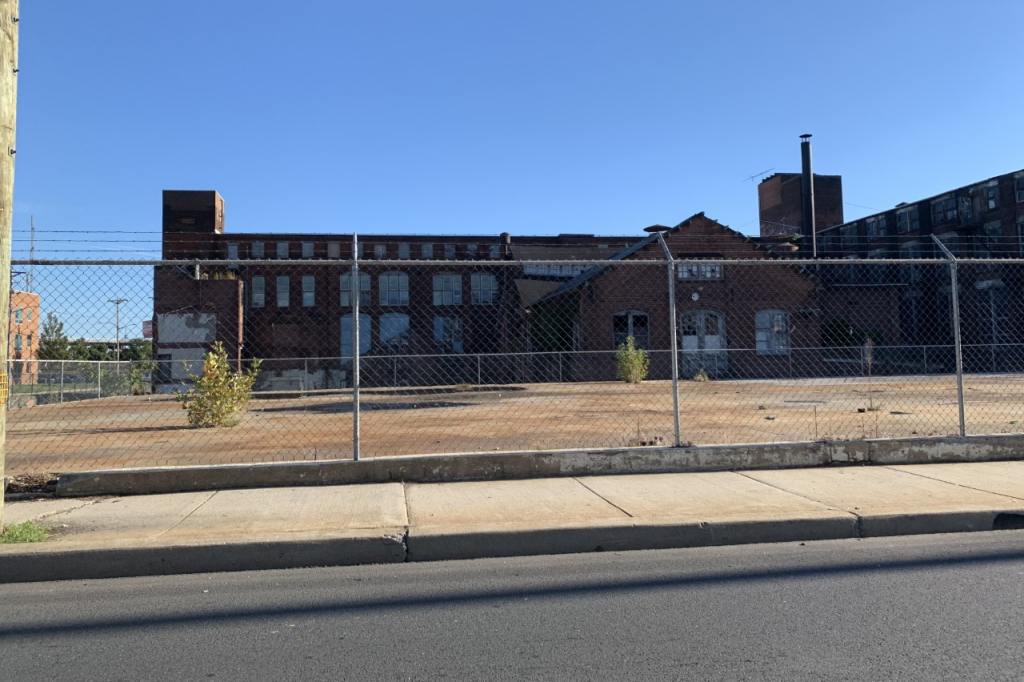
(807,187)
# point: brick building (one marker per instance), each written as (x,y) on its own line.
(984,219)
(23,337)
(297,314)
(732,320)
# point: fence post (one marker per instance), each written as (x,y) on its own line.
(355,292)
(954,298)
(559,368)
(478,369)
(62,382)
(99,379)
(673,340)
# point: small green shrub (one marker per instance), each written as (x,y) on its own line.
(28,531)
(218,396)
(632,362)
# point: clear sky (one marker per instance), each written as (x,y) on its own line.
(478,116)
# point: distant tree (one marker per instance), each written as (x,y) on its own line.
(53,342)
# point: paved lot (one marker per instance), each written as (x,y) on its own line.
(151,430)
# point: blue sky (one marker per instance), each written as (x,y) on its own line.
(527,117)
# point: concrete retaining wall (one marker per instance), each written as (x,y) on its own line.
(517,465)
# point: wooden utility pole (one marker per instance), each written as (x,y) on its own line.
(8,110)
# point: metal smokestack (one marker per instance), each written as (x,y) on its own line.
(807,187)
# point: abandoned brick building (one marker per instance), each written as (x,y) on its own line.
(427,316)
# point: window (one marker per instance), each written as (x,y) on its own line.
(877,226)
(426,251)
(380,251)
(449,251)
(907,220)
(307,249)
(308,291)
(991,239)
(28,314)
(334,250)
(403,250)
(495,251)
(699,271)
(1018,183)
(631,323)
(911,274)
(232,251)
(447,289)
(28,341)
(394,330)
(448,334)
(992,196)
(944,210)
(282,249)
(483,288)
(394,288)
(849,236)
(283,286)
(17,316)
(1020,234)
(256,250)
(346,289)
(952,242)
(360,249)
(17,342)
(772,328)
(365,334)
(471,250)
(259,291)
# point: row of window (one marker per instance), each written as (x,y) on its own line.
(425,251)
(705,330)
(392,289)
(393,333)
(22,314)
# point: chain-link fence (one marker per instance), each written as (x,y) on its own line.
(447,356)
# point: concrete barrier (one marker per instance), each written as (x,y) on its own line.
(542,464)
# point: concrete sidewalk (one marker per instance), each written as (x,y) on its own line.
(394,522)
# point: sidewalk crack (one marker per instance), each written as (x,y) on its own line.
(186,517)
(804,497)
(603,497)
(959,485)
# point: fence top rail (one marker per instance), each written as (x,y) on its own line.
(441,263)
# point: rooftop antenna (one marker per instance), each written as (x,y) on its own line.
(759,175)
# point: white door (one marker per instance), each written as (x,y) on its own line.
(703,342)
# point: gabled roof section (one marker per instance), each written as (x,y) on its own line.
(642,244)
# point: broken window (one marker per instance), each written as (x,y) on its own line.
(631,323)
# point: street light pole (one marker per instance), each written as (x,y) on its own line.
(117,331)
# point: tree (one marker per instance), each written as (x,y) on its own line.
(53,342)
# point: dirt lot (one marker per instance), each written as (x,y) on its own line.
(151,430)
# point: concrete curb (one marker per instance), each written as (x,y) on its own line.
(441,545)
(520,465)
(52,562)
(45,562)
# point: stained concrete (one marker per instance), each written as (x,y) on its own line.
(283,510)
(1004,478)
(892,502)
(537,503)
(703,497)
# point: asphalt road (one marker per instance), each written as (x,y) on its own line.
(926,607)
